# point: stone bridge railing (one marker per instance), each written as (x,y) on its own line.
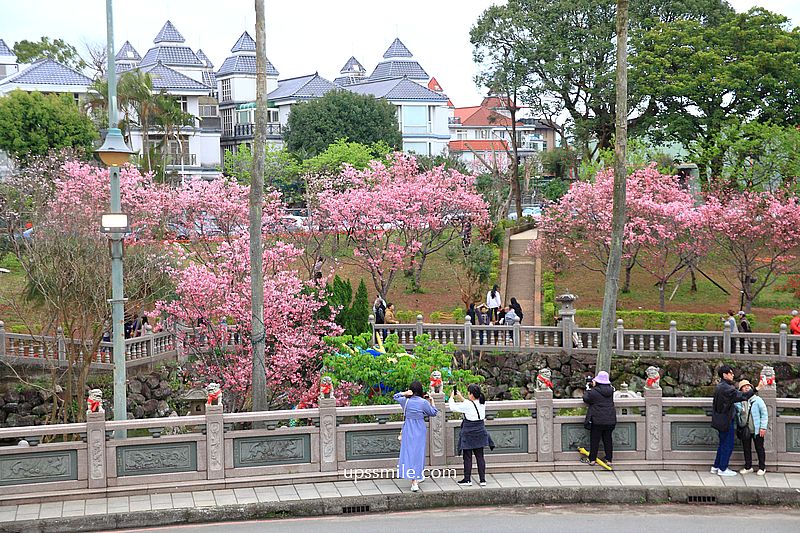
(325,443)
(58,350)
(566,337)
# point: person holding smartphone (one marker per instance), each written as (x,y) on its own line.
(413,438)
(473,437)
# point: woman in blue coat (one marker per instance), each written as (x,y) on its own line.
(416,407)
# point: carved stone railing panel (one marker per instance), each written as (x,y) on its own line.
(507,439)
(381,444)
(42,467)
(792,437)
(267,451)
(144,459)
(574,436)
(695,436)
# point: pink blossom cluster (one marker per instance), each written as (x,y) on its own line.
(392,213)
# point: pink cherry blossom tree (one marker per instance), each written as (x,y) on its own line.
(756,234)
(213,296)
(395,216)
(659,221)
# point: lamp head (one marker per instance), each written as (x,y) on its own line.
(114,223)
(114,151)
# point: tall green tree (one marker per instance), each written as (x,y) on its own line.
(705,78)
(564,50)
(57,49)
(33,123)
(315,125)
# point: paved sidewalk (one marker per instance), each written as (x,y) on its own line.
(391,494)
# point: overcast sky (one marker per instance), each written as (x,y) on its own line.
(303,36)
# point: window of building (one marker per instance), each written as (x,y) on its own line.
(226,90)
(245,116)
(482,134)
(273,116)
(461,135)
(208,110)
(416,148)
(415,119)
(181,100)
(227,121)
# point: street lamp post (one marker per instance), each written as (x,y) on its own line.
(114,153)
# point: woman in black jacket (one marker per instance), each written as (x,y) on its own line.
(600,418)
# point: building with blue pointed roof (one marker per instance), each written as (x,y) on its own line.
(236,89)
(352,72)
(423,114)
(399,61)
(169,34)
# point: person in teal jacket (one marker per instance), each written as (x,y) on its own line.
(753,414)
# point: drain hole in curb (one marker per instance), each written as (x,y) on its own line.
(354,509)
(701,499)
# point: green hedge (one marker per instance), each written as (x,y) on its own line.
(548,297)
(778,320)
(407,317)
(590,318)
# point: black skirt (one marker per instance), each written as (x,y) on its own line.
(473,435)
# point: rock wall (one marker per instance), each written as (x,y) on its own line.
(149,396)
(679,377)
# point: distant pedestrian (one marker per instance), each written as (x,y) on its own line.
(517,309)
(379,310)
(391,318)
(483,319)
(731,321)
(744,327)
(794,329)
(511,316)
(473,437)
(318,268)
(472,314)
(722,418)
(413,437)
(495,304)
(601,418)
(751,428)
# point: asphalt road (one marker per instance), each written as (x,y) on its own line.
(564,519)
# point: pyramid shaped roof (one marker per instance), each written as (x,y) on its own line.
(352,66)
(5,51)
(169,34)
(204,58)
(397,49)
(244,44)
(127,53)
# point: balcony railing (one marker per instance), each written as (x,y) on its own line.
(248,130)
(174,159)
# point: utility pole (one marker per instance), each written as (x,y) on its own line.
(259,378)
(608,317)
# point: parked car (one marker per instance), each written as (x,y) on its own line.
(534,212)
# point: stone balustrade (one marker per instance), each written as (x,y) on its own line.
(44,350)
(216,449)
(672,343)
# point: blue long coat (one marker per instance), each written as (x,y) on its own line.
(415,435)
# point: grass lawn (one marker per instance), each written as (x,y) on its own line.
(12,286)
(589,286)
(440,290)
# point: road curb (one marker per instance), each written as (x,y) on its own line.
(410,502)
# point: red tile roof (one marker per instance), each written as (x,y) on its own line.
(481,116)
(478,145)
(433,85)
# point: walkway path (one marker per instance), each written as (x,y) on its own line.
(524,277)
(583,485)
